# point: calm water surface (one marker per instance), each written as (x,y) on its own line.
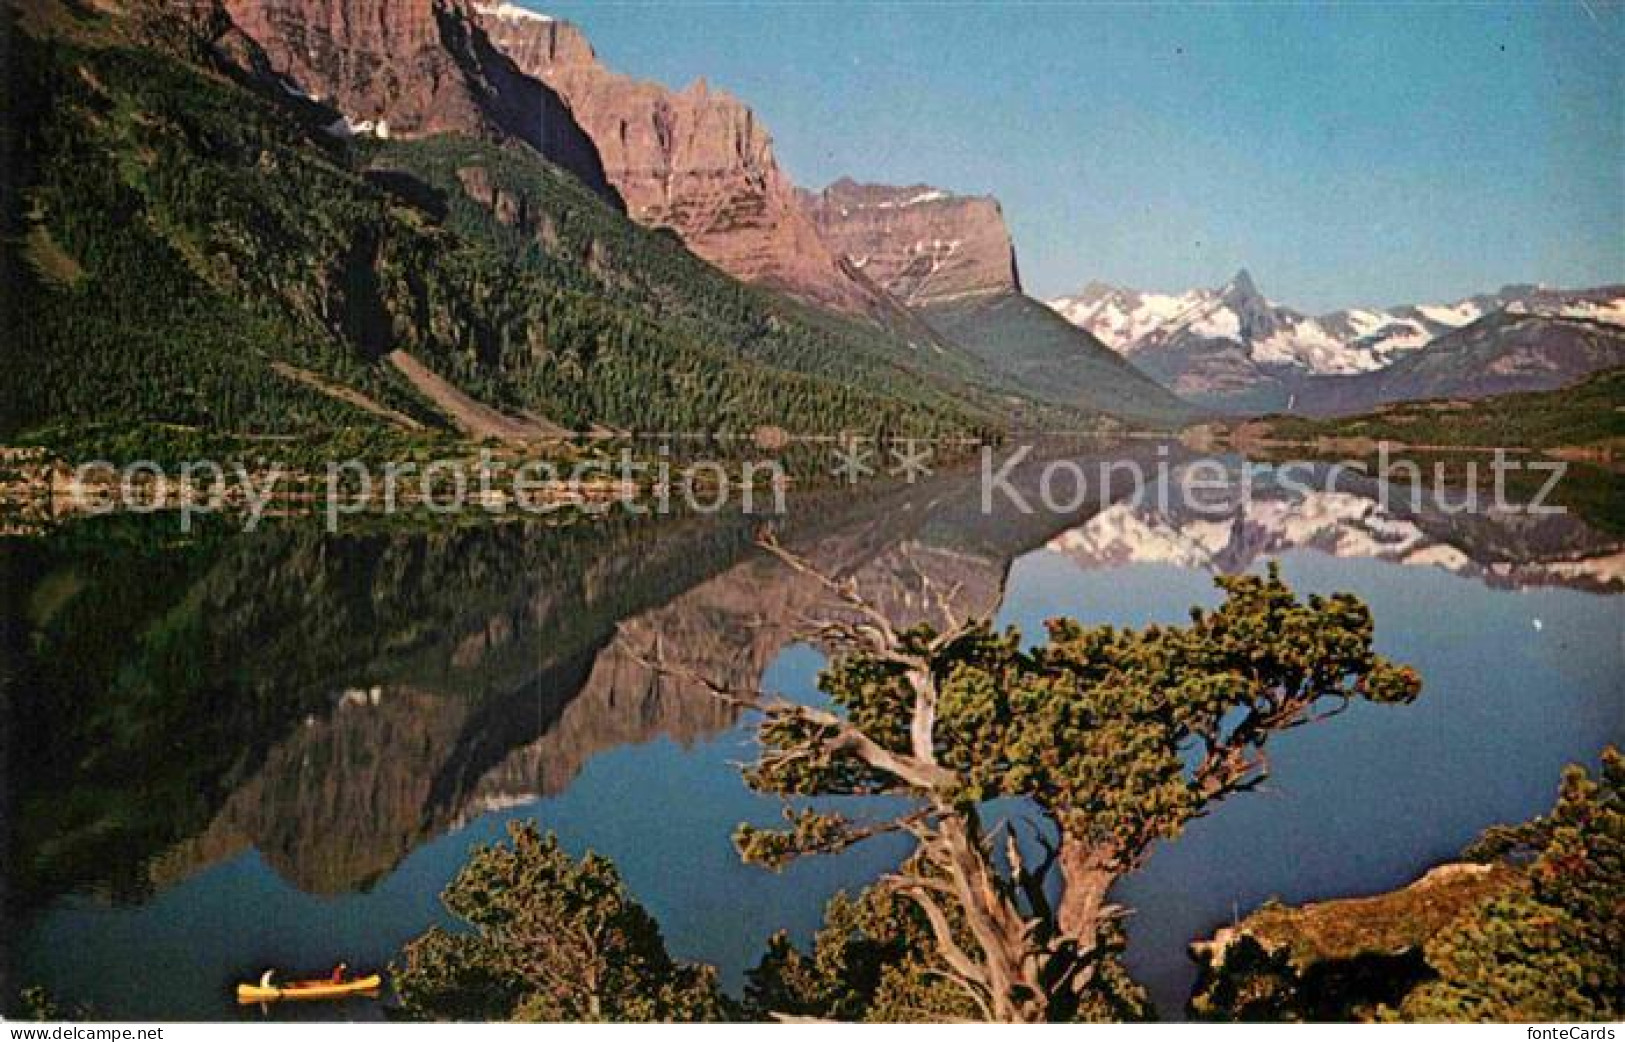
(280,749)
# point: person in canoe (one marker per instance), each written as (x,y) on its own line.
(340,983)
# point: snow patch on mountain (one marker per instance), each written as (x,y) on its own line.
(928,196)
(512,13)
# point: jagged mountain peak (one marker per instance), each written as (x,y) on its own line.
(547,40)
(1240,286)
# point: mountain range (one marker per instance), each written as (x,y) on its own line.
(950,260)
(271,217)
(1233,348)
(395,292)
(699,162)
(208,248)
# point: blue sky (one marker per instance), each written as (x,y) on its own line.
(1374,154)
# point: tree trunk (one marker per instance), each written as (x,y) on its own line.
(1008,961)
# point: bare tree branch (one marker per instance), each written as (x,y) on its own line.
(948,947)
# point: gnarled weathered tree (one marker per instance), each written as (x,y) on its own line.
(1117,738)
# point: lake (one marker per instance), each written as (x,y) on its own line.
(233,751)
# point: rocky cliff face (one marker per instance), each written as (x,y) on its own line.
(409,68)
(697,161)
(921,244)
(949,259)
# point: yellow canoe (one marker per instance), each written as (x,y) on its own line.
(308,990)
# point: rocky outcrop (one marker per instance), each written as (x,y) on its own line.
(409,68)
(695,160)
(920,244)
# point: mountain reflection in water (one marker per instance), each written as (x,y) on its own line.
(327,706)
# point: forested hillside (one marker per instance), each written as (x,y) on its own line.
(1584,418)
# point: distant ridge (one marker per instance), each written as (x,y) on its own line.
(1234,349)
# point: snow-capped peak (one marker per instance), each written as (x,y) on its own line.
(1122,317)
